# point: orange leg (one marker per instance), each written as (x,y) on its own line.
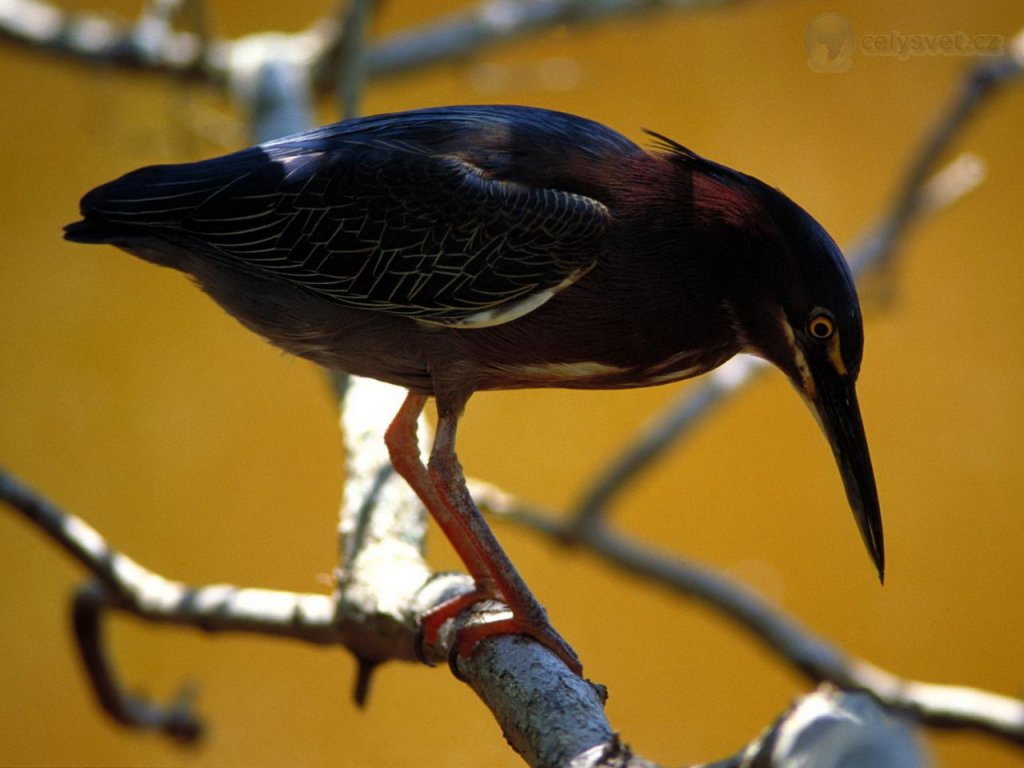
(442,489)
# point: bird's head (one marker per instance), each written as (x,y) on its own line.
(809,326)
(791,300)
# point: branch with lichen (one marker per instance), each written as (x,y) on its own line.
(550,716)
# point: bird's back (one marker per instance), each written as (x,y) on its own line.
(458,215)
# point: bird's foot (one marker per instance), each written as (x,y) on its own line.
(531,622)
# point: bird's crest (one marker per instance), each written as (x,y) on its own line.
(719,191)
(671,145)
(690,159)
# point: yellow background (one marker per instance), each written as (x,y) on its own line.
(131,399)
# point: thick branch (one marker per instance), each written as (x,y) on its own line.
(855,729)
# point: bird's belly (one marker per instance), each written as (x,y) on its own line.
(586,374)
(339,338)
(521,354)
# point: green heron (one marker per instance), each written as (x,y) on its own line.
(459,249)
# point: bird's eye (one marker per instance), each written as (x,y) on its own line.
(821,325)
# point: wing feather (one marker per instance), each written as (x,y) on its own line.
(366,215)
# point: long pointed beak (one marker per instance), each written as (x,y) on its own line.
(834,403)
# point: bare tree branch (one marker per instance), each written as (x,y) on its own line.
(93,38)
(550,716)
(351,64)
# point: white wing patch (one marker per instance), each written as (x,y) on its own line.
(506,313)
(578,372)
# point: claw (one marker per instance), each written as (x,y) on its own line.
(467,637)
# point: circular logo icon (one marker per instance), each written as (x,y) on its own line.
(829,43)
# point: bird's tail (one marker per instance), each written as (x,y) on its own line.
(146,199)
(89,231)
(161,197)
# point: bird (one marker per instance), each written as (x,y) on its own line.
(451,250)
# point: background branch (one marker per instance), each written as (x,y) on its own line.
(93,38)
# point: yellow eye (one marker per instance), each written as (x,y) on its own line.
(821,325)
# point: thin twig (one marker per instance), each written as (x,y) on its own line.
(134,587)
(350,77)
(695,405)
(977,86)
(177,718)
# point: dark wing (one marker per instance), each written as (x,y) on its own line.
(368,216)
